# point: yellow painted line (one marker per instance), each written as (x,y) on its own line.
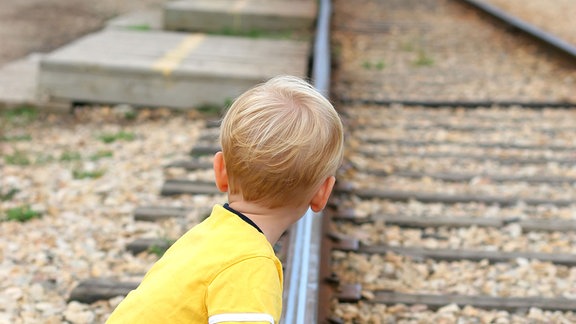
(239,5)
(170,60)
(235,11)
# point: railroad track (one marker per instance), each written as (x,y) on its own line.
(443,211)
(423,234)
(446,211)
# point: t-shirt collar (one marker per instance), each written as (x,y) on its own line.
(243,217)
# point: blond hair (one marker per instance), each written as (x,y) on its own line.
(280,141)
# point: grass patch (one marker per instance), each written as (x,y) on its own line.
(16,138)
(256,33)
(160,249)
(9,194)
(69,156)
(21,115)
(378,65)
(336,50)
(22,159)
(119,136)
(228,102)
(22,214)
(140,27)
(211,109)
(101,155)
(423,60)
(131,115)
(44,159)
(83,174)
(17,158)
(214,109)
(407,47)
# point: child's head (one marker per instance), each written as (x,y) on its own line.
(280,141)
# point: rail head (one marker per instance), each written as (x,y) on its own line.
(542,35)
(302,272)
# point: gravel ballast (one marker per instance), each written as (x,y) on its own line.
(440,50)
(432,95)
(84,175)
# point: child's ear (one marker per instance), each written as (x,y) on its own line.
(320,198)
(220,172)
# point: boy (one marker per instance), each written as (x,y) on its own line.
(281,145)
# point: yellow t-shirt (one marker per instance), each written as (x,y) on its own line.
(223,270)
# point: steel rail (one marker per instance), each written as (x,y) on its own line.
(301,295)
(525,27)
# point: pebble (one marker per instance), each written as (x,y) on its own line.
(77,313)
(451,308)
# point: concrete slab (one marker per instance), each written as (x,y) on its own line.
(18,82)
(165,68)
(239,16)
(143,20)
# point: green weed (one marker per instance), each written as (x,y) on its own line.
(119,136)
(336,50)
(69,156)
(256,33)
(141,27)
(17,158)
(9,194)
(215,109)
(210,109)
(22,214)
(44,159)
(407,47)
(228,102)
(100,155)
(83,174)
(130,115)
(378,65)
(21,115)
(423,60)
(22,159)
(16,138)
(160,248)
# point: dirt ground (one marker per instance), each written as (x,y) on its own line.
(29,26)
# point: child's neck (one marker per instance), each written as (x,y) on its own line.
(272,221)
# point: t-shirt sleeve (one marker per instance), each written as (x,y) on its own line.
(249,291)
